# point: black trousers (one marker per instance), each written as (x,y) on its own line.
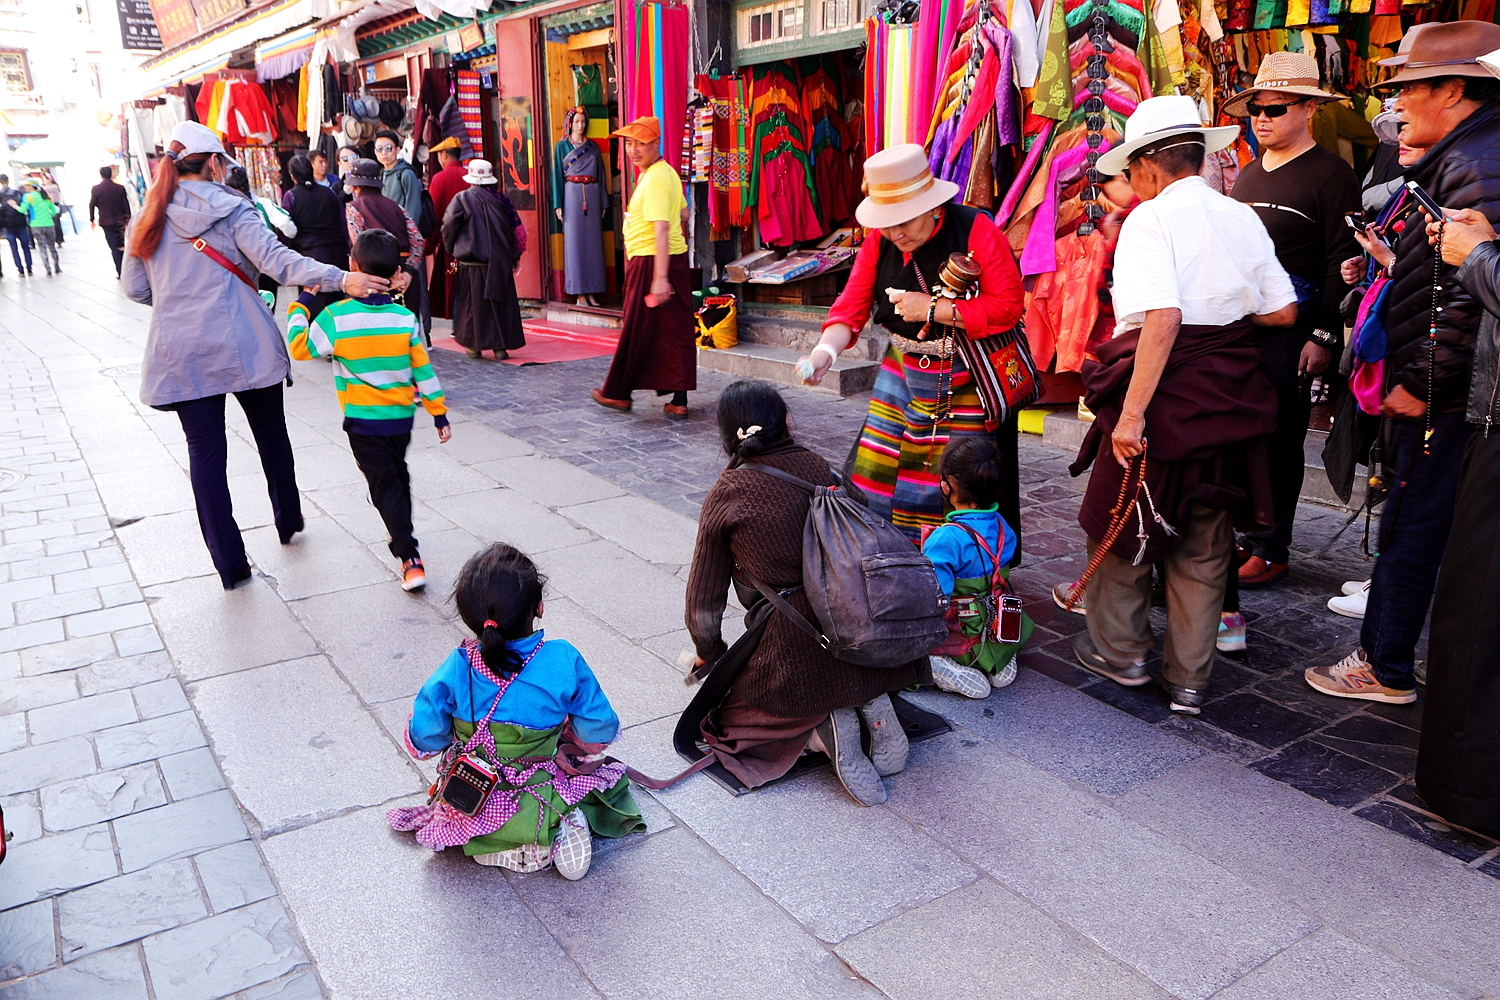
(208,457)
(1282,350)
(114,236)
(382,458)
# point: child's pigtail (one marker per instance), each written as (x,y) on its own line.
(492,648)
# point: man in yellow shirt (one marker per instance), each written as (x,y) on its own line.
(656,349)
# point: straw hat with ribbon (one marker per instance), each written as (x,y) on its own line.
(1159,118)
(901,187)
(1281,73)
(1453,48)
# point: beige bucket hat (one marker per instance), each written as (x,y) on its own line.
(1282,73)
(901,187)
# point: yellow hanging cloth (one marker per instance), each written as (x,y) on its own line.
(302,99)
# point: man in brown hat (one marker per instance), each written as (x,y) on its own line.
(1301,192)
(1446,103)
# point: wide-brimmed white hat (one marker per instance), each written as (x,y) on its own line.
(901,187)
(196,138)
(480,172)
(1158,118)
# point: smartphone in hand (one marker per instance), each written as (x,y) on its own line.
(1428,203)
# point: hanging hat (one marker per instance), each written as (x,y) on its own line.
(480,172)
(351,128)
(1281,73)
(365,173)
(448,143)
(646,128)
(1453,48)
(901,187)
(1159,118)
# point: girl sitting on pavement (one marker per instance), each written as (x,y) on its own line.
(516,718)
(970,552)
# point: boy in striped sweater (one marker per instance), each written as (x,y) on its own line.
(380,367)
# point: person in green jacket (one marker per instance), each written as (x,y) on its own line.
(41,215)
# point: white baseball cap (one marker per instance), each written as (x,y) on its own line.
(197,138)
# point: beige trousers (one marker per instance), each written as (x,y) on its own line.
(1118,598)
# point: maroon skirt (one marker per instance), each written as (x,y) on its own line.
(753,745)
(657,349)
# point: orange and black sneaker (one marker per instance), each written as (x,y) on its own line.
(1353,677)
(413,576)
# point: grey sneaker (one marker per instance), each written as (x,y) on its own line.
(839,734)
(526,858)
(1004,677)
(1132,676)
(888,746)
(1183,701)
(967,681)
(573,847)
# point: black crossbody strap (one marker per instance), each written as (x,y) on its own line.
(796,617)
(785,477)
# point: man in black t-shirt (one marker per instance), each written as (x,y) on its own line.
(1301,192)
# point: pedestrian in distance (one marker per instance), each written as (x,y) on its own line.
(192,252)
(444,186)
(513,715)
(370,209)
(321,175)
(657,349)
(322,232)
(17,232)
(1182,406)
(484,237)
(971,551)
(400,183)
(110,204)
(381,369)
(1446,102)
(41,216)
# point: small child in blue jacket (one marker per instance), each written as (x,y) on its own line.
(970,553)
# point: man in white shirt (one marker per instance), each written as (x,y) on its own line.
(1182,404)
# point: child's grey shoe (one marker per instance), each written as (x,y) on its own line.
(967,681)
(573,848)
(888,746)
(1004,677)
(526,858)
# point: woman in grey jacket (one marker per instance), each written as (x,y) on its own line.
(193,255)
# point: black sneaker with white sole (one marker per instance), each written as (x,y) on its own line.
(1183,701)
(1090,659)
(840,734)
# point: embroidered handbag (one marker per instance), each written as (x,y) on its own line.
(1004,372)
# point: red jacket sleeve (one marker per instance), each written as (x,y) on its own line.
(998,306)
(857,300)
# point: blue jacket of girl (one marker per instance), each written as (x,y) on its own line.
(557,684)
(954,554)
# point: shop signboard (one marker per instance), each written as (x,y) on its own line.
(175,21)
(137,25)
(470,36)
(515,160)
(212,12)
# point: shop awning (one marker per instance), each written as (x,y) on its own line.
(276,58)
(47,152)
(269,21)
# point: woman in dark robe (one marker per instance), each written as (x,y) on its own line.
(484,236)
(580,199)
(322,232)
(791,695)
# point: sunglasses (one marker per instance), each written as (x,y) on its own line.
(1269,110)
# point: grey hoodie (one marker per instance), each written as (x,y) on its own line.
(210,332)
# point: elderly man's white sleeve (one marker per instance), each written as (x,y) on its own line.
(1276,289)
(1145,271)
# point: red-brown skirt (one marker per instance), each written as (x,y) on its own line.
(755,746)
(657,349)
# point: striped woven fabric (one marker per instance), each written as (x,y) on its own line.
(379,363)
(467,94)
(896,464)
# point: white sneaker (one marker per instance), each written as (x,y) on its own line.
(1352,587)
(1004,677)
(526,858)
(573,848)
(967,681)
(1351,605)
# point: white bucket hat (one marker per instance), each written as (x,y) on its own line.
(1158,118)
(480,172)
(901,187)
(196,138)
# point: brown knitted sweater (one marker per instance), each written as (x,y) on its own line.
(752,524)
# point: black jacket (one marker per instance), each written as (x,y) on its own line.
(109,201)
(1461,171)
(1480,274)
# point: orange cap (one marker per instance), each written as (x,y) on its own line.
(646,128)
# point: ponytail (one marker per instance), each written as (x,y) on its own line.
(497,594)
(145,234)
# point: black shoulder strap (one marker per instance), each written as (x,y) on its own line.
(785,477)
(793,615)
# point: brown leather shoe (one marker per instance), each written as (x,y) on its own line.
(675,412)
(1256,572)
(622,405)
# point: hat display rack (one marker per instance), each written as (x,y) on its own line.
(1093,109)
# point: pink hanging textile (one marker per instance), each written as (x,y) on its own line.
(1023,175)
(655,44)
(937,27)
(1040,254)
(466,93)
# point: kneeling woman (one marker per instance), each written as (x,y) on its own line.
(791,695)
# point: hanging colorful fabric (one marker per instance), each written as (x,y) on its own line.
(1054,88)
(718,322)
(467,96)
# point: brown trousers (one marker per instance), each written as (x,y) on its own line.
(1118,597)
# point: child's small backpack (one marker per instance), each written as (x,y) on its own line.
(962,610)
(876,597)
